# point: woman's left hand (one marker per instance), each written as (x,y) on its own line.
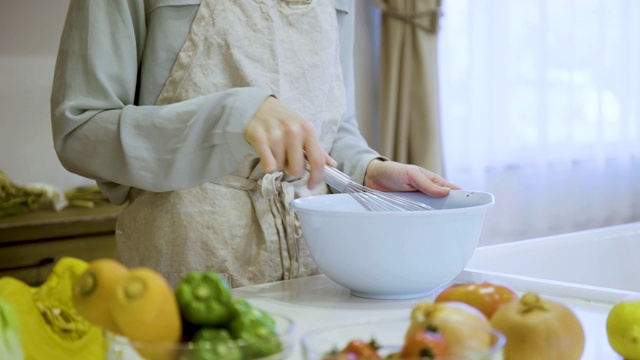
(395,176)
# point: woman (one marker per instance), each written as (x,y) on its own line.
(201,114)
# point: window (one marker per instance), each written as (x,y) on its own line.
(540,105)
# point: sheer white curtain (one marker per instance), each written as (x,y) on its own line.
(540,105)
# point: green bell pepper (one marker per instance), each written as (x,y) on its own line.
(243,314)
(214,344)
(204,299)
(256,328)
(260,341)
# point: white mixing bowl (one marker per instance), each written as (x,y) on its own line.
(393,255)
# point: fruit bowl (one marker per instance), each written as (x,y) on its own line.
(393,255)
(120,348)
(326,343)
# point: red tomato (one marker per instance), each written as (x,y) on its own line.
(424,344)
(486,297)
(362,350)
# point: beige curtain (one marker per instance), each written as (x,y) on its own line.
(410,128)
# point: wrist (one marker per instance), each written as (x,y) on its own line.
(371,169)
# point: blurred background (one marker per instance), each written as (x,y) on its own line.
(535,101)
(540,105)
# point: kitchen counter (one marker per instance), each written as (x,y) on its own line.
(317,302)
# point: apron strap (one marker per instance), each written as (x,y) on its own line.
(270,197)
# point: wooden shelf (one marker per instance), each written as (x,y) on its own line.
(69,222)
(31,243)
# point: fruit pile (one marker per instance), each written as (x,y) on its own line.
(140,305)
(534,327)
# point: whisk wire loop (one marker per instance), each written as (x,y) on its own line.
(370,199)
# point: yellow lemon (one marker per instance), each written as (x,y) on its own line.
(623,329)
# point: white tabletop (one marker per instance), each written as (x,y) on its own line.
(317,301)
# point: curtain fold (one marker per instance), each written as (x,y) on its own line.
(409,109)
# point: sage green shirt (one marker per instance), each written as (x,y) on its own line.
(113,61)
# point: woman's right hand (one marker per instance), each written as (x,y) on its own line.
(281,137)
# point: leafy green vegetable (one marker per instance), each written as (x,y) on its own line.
(16,200)
(86,196)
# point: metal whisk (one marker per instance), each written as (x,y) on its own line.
(371,199)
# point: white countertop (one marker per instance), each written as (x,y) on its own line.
(317,301)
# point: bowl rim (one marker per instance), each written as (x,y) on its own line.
(306,336)
(299,206)
(121,340)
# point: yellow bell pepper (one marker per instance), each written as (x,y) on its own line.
(50,328)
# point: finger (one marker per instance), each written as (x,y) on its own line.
(295,158)
(439,180)
(435,190)
(451,185)
(280,155)
(316,159)
(328,160)
(430,188)
(269,162)
(429,183)
(260,144)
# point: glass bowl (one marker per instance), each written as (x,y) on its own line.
(321,344)
(120,348)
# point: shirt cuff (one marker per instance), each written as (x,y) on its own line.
(243,108)
(361,169)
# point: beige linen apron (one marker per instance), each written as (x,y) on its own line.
(241,225)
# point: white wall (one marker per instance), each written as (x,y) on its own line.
(29,37)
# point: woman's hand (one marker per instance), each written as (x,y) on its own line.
(395,176)
(281,137)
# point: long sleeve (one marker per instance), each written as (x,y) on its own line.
(106,126)
(99,132)
(350,148)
